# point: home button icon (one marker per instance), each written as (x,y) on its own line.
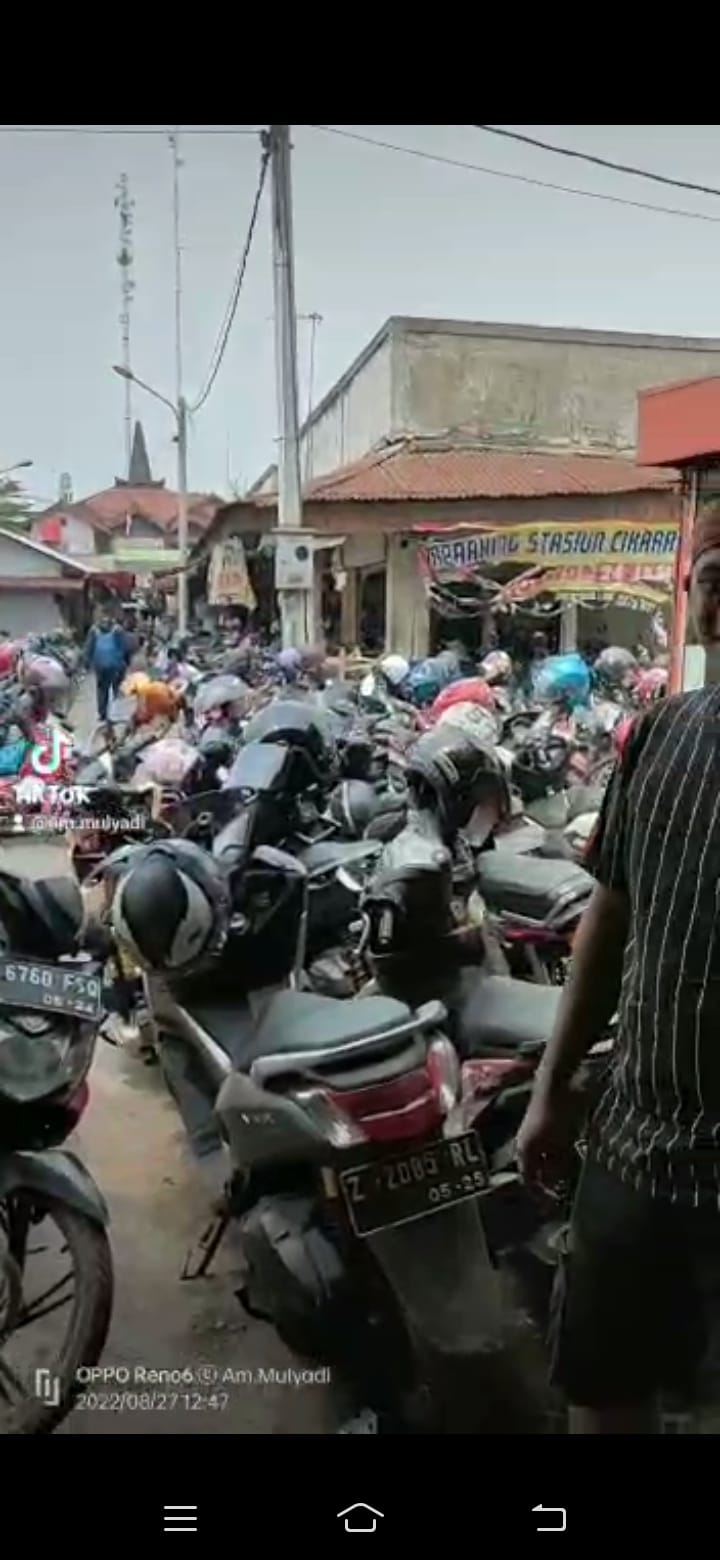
(360,1518)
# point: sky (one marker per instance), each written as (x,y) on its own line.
(377,232)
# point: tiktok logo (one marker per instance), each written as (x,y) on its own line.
(47,756)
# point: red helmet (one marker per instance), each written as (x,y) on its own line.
(469,690)
(651,684)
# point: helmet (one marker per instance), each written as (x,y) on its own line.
(469,690)
(614,667)
(155,699)
(455,774)
(167,762)
(394,669)
(496,667)
(651,684)
(290,664)
(352,805)
(563,678)
(224,693)
(425,681)
(43,671)
(171,907)
(8,657)
(295,724)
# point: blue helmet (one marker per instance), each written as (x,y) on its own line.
(563,679)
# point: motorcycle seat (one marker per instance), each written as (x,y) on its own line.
(498,1016)
(298,1022)
(530,887)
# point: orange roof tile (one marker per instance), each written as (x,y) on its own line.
(429,473)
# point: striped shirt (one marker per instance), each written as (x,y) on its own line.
(658,840)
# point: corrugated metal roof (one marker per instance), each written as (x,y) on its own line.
(411,471)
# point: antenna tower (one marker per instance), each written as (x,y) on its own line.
(125,207)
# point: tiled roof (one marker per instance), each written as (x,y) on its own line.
(109,510)
(428,473)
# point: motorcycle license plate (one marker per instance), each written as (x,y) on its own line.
(62,988)
(409,1186)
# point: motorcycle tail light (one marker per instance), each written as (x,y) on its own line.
(444,1070)
(390,1112)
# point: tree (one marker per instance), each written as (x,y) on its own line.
(15,507)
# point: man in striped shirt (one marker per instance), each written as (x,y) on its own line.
(638,1300)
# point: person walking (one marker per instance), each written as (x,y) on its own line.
(107,653)
(637,1303)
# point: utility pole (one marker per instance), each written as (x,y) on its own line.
(315,320)
(180,402)
(294,557)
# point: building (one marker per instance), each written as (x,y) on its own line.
(443,424)
(40,588)
(133,524)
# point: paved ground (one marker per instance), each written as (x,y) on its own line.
(131,1140)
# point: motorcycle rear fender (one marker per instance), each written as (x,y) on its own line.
(442,1275)
(57,1174)
(265,1129)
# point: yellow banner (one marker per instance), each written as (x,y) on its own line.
(595,542)
(649,579)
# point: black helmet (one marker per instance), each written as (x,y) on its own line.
(453,774)
(352,805)
(302,726)
(614,667)
(171,907)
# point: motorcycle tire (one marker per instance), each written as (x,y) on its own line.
(87,1333)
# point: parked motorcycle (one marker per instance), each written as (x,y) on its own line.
(51,1006)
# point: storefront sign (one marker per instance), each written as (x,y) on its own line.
(228,582)
(599,541)
(603,580)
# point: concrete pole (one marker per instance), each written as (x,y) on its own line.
(182,471)
(296,606)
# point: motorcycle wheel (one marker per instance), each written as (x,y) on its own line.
(24,1408)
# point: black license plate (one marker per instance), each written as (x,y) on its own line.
(61,988)
(409,1186)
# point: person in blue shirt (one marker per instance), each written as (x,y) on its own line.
(108,651)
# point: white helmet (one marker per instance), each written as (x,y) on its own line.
(394,669)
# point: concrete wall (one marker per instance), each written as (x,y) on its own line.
(563,388)
(28,612)
(357,416)
(18,560)
(407,621)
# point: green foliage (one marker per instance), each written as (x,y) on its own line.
(15,507)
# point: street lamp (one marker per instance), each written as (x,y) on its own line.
(20,465)
(179,412)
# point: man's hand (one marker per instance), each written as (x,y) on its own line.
(547,1132)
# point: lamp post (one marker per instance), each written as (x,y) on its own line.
(19,465)
(179,412)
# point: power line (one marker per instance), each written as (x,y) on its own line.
(227,324)
(125,130)
(516,178)
(600,162)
